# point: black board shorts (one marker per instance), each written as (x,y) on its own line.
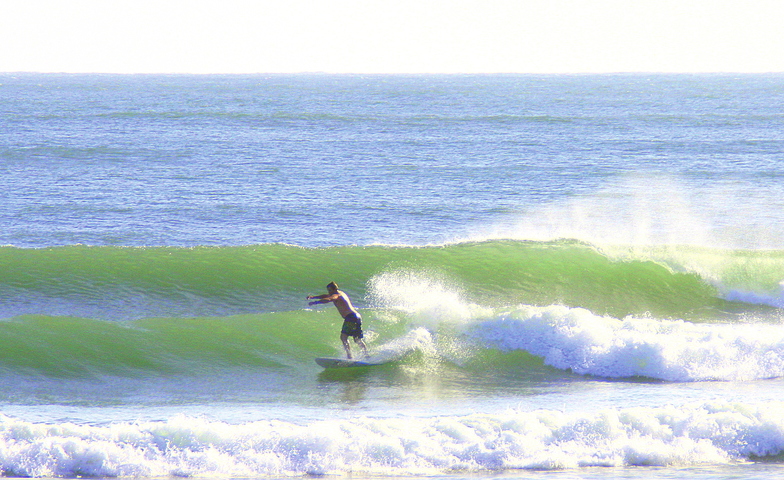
(352,325)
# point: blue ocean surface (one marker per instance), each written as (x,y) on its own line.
(569,276)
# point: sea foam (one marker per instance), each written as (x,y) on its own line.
(712,433)
(579,340)
(674,350)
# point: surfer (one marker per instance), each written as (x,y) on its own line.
(352,321)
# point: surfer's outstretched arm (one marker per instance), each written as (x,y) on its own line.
(322,298)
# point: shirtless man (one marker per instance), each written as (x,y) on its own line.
(352,322)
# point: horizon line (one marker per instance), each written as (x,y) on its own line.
(412,73)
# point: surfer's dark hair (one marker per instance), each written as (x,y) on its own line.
(332,285)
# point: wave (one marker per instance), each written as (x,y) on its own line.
(65,346)
(283,341)
(671,313)
(429,337)
(584,343)
(711,433)
(120,283)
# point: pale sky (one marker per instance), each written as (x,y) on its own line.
(395,36)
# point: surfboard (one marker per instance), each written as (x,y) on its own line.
(327,362)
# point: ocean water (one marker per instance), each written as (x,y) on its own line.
(566,276)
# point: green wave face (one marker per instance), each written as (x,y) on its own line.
(665,282)
(82,310)
(67,346)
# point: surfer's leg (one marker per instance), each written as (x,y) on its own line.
(358,340)
(344,339)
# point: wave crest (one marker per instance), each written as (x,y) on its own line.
(578,340)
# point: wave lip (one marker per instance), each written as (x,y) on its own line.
(714,433)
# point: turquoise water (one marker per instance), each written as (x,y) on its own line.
(566,276)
